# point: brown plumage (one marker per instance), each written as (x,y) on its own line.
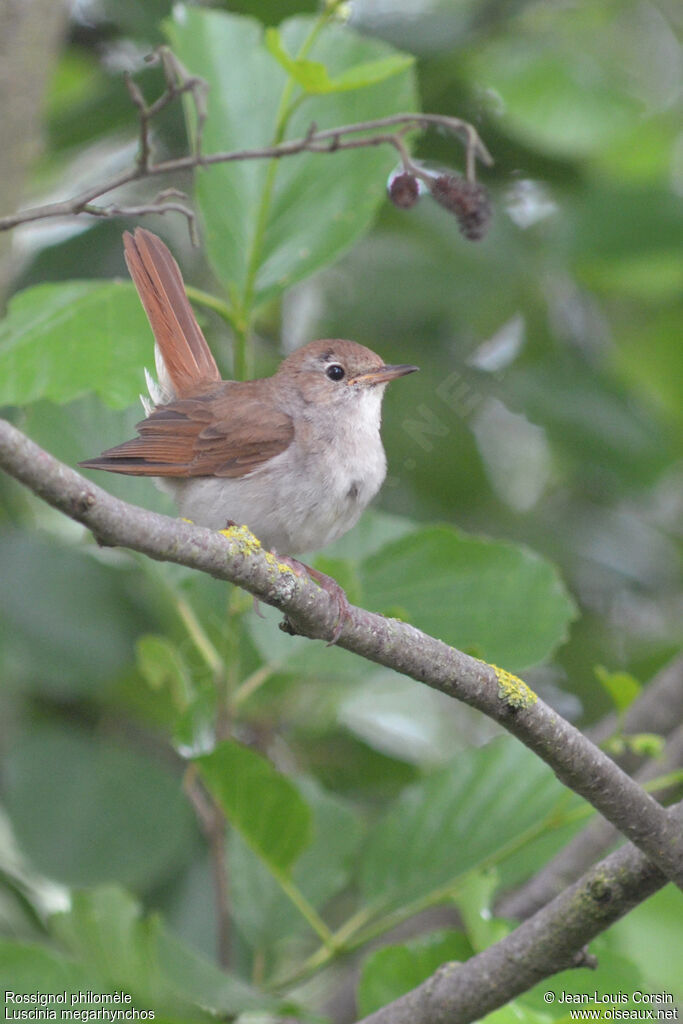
(210,427)
(296,456)
(161,289)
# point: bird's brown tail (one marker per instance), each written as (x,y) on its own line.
(160,286)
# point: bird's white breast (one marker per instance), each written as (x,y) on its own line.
(310,494)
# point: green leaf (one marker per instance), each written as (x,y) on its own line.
(197,978)
(500,600)
(127,818)
(622,687)
(518,1012)
(262,804)
(475,901)
(263,913)
(486,805)
(63,639)
(374,529)
(645,744)
(60,340)
(549,101)
(162,666)
(371,72)
(654,277)
(26,968)
(647,936)
(104,929)
(120,949)
(260,242)
(394,970)
(314,78)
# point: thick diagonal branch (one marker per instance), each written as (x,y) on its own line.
(587,847)
(659,709)
(550,941)
(312,612)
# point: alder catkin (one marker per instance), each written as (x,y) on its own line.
(467,200)
(404,191)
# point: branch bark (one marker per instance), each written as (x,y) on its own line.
(236,555)
(659,709)
(550,941)
(329,140)
(590,844)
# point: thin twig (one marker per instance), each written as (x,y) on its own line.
(162,203)
(213,823)
(178,81)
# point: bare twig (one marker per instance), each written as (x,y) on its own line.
(162,203)
(178,81)
(213,824)
(236,556)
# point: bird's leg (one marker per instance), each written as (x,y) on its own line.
(328,584)
(322,579)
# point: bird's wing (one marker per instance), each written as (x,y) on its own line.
(227,432)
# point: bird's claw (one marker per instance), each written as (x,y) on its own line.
(329,585)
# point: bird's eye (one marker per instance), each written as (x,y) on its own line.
(335,372)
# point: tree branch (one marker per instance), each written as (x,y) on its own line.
(550,941)
(658,709)
(330,140)
(236,555)
(585,848)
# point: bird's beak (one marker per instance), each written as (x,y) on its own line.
(384,374)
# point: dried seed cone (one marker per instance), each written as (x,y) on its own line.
(468,200)
(404,191)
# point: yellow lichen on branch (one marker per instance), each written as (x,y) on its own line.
(513,690)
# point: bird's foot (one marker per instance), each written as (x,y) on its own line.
(328,584)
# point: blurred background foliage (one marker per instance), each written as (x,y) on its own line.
(547,417)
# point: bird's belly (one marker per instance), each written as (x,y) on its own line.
(291,505)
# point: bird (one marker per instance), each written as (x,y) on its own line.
(296,457)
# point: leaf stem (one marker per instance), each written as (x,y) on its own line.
(187,616)
(306,910)
(284,112)
(198,635)
(360,928)
(219,306)
(250,685)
